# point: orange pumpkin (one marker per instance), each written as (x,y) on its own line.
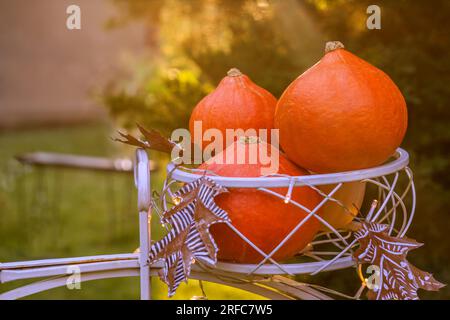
(263,218)
(236,103)
(341,114)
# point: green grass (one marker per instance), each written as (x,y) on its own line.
(55,213)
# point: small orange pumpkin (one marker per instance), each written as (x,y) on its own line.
(341,114)
(236,103)
(350,197)
(263,218)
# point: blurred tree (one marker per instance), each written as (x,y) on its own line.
(159,98)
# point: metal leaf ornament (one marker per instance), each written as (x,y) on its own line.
(398,279)
(189,239)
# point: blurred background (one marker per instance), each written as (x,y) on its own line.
(68,91)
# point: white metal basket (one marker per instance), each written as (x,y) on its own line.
(395,194)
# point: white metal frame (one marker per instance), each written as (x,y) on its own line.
(258,278)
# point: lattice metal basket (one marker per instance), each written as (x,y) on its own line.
(391,183)
(394,203)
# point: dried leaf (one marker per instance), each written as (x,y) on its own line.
(398,278)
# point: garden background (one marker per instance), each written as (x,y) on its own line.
(151,62)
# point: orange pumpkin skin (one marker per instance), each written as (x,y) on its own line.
(262,218)
(236,103)
(341,114)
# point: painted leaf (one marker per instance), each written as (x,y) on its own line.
(398,278)
(179,254)
(189,239)
(196,205)
(169,245)
(173,272)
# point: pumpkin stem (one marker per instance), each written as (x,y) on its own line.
(333,45)
(233,72)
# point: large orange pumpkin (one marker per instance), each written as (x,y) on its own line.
(341,114)
(263,218)
(236,103)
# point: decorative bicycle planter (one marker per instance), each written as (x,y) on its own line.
(393,210)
